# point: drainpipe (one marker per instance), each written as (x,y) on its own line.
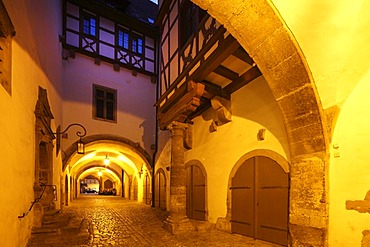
(156,121)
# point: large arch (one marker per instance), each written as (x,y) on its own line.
(262,32)
(130,147)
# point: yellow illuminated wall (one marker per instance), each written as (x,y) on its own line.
(350,167)
(334,39)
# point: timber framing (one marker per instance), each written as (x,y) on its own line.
(211,59)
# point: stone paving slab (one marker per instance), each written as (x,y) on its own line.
(113,221)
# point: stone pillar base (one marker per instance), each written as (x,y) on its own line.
(223,224)
(177,225)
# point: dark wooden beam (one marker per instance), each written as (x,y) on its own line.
(243,55)
(223,51)
(211,90)
(204,106)
(227,73)
(243,80)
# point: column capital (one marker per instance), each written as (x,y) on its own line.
(177,125)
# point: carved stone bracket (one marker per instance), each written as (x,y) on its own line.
(181,107)
(361,206)
(222,108)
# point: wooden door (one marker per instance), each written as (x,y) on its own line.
(160,190)
(242,199)
(135,189)
(260,196)
(146,188)
(195,193)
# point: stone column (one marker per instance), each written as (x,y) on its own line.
(177,221)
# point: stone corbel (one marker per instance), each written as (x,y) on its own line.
(188,137)
(222,107)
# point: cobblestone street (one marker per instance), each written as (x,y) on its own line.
(113,221)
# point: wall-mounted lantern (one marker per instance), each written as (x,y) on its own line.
(142,170)
(80,144)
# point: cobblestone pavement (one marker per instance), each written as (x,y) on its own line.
(113,221)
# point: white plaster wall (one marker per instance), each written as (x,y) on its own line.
(253,108)
(135,101)
(350,168)
(36,61)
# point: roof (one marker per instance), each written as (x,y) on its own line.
(142,10)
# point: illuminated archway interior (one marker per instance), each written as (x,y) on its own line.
(108,162)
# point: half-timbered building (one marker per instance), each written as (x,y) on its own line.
(250,117)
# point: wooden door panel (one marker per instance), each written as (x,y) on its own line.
(242,194)
(156,190)
(162,191)
(242,211)
(189,204)
(195,193)
(272,207)
(272,200)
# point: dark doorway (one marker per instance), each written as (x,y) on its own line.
(259,200)
(135,189)
(160,190)
(66,191)
(195,193)
(146,189)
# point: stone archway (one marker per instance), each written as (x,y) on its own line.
(258,27)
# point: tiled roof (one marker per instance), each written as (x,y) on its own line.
(142,10)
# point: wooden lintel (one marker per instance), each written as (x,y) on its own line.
(243,55)
(223,51)
(243,80)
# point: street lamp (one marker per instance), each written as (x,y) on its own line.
(80,144)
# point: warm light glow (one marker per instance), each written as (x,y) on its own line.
(106,160)
(100,173)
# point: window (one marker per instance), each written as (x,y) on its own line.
(123,39)
(137,45)
(89,24)
(190,17)
(130,42)
(105,103)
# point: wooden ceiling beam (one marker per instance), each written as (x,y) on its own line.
(211,90)
(243,80)
(223,51)
(227,73)
(243,55)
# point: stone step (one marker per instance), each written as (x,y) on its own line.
(42,230)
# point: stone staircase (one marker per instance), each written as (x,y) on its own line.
(60,229)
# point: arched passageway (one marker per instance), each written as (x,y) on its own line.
(120,166)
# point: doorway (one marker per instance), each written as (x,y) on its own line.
(146,188)
(195,193)
(66,190)
(160,190)
(260,200)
